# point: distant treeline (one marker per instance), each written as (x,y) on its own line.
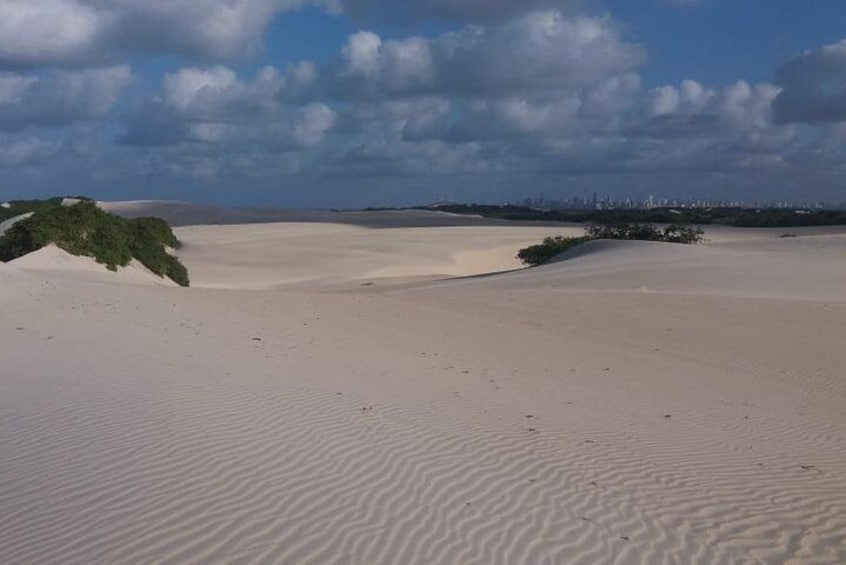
(739,217)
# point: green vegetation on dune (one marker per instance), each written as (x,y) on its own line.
(673,233)
(149,240)
(549,248)
(553,246)
(85,229)
(18,207)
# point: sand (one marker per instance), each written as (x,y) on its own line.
(323,396)
(51,261)
(262,256)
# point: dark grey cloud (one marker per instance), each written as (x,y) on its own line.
(464,11)
(213,106)
(59,98)
(692,109)
(57,32)
(814,86)
(24,150)
(51,32)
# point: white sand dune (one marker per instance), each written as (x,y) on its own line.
(261,256)
(635,404)
(754,268)
(52,260)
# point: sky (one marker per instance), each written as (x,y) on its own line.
(353,103)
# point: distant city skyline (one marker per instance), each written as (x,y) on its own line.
(354,103)
(596,201)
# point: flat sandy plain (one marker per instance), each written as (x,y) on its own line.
(340,394)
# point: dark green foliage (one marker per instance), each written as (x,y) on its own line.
(549,248)
(150,238)
(176,271)
(17,243)
(85,229)
(779,218)
(18,207)
(154,228)
(82,229)
(641,232)
(552,246)
(676,233)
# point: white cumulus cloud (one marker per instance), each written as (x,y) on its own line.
(539,51)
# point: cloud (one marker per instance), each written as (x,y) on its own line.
(704,130)
(813,86)
(51,32)
(496,93)
(34,32)
(545,95)
(532,94)
(693,109)
(17,151)
(611,127)
(541,51)
(463,11)
(212,105)
(215,92)
(59,98)
(210,29)
(588,111)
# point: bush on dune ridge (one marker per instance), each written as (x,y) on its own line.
(17,207)
(85,229)
(553,246)
(549,248)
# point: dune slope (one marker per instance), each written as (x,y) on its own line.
(261,256)
(53,260)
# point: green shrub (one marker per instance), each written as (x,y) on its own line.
(150,239)
(683,234)
(176,271)
(549,248)
(85,229)
(17,242)
(18,207)
(552,246)
(643,232)
(154,229)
